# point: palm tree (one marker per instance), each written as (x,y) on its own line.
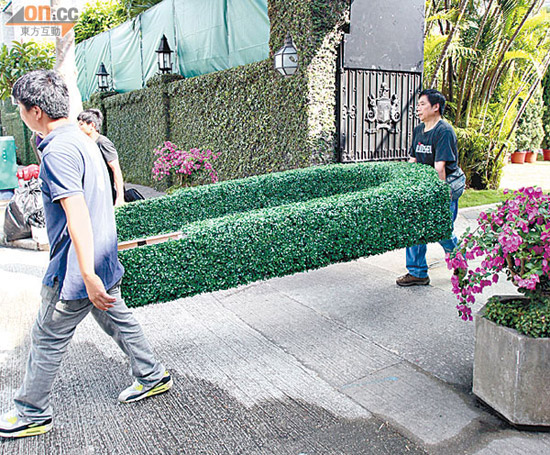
(497,52)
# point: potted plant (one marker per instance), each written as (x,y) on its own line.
(530,130)
(183,168)
(512,333)
(531,156)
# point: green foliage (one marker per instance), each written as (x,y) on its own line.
(239,232)
(530,131)
(97,17)
(546,116)
(258,120)
(135,7)
(474,198)
(484,62)
(20,59)
(13,126)
(157,216)
(527,317)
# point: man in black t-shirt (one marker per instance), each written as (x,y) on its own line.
(434,144)
(90,122)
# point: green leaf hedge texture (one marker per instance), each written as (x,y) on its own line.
(238,232)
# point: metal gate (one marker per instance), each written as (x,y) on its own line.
(377,114)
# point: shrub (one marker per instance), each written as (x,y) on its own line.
(401,206)
(514,238)
(184,168)
(529,318)
(98,17)
(530,131)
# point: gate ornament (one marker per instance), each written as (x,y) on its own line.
(383,111)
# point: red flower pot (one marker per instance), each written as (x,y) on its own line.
(518,157)
(531,157)
(546,154)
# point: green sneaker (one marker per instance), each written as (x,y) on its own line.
(13,426)
(138,392)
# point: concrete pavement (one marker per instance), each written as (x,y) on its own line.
(334,361)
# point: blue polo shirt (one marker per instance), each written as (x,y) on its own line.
(72,165)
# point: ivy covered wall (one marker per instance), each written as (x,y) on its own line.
(12,125)
(256,119)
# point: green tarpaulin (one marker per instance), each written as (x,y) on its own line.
(205,35)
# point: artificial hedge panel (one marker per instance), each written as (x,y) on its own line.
(170,213)
(14,126)
(254,118)
(137,123)
(410,207)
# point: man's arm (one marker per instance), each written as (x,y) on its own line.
(119,182)
(440,168)
(80,230)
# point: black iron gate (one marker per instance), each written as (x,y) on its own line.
(380,74)
(377,114)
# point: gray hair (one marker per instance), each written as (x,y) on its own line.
(45,89)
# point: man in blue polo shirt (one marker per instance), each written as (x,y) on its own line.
(84,273)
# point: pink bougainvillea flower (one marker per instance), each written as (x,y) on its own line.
(517,235)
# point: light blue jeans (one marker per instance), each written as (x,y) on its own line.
(52,331)
(416,255)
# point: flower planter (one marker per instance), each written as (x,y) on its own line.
(530,157)
(511,373)
(518,157)
(546,154)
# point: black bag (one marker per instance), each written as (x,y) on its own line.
(131,195)
(15,227)
(23,210)
(457,182)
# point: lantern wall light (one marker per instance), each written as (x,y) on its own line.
(286,58)
(164,55)
(102,78)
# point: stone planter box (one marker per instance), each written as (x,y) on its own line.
(512,373)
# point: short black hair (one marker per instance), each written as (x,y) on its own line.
(91,116)
(434,97)
(45,89)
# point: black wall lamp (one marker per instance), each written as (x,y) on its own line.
(102,78)
(164,55)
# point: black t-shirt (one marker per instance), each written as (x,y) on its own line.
(438,144)
(109,154)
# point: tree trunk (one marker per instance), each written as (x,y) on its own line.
(65,64)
